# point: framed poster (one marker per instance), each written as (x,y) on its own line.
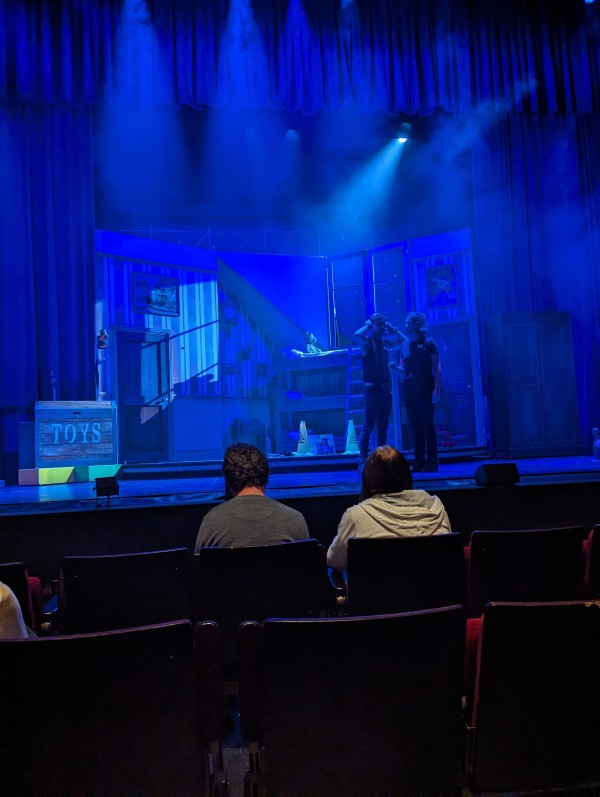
(151,293)
(441,286)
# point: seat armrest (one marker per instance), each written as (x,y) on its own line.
(333,594)
(473,636)
(338,585)
(49,624)
(35,602)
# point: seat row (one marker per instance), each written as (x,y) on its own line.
(229,585)
(357,706)
(412,573)
(101,593)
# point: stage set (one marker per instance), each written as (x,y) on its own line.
(187,192)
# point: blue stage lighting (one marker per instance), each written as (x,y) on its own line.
(589,2)
(403,132)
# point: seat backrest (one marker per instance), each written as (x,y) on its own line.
(355,705)
(592,565)
(405,574)
(14,575)
(257,582)
(230,585)
(537,701)
(102,593)
(528,565)
(102,714)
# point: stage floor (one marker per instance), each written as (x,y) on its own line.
(172,485)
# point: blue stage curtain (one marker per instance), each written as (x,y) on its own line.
(533,65)
(46,260)
(536,188)
(57,50)
(394,56)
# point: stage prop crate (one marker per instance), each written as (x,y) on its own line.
(75,433)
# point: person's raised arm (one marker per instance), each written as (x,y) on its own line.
(363,339)
(400,336)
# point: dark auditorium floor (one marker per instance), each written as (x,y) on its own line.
(172,485)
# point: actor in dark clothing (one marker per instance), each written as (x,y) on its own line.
(375,352)
(422,376)
(249,517)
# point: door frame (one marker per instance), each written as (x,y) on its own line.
(114,370)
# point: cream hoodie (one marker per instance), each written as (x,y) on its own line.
(12,625)
(411,513)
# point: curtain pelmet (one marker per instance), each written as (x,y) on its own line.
(394,56)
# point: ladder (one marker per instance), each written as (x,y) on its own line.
(355,398)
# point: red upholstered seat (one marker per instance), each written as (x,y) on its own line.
(536,707)
(592,564)
(472,641)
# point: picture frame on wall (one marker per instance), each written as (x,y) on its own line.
(154,294)
(442,286)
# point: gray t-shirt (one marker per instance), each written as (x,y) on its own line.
(250,520)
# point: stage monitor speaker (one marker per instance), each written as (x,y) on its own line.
(498,475)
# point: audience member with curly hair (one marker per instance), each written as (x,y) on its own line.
(249,517)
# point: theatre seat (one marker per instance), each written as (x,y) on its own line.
(592,564)
(535,717)
(405,574)
(527,565)
(107,714)
(230,585)
(357,706)
(102,593)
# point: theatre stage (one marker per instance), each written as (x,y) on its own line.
(161,505)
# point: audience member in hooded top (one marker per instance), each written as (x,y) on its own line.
(12,624)
(388,506)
